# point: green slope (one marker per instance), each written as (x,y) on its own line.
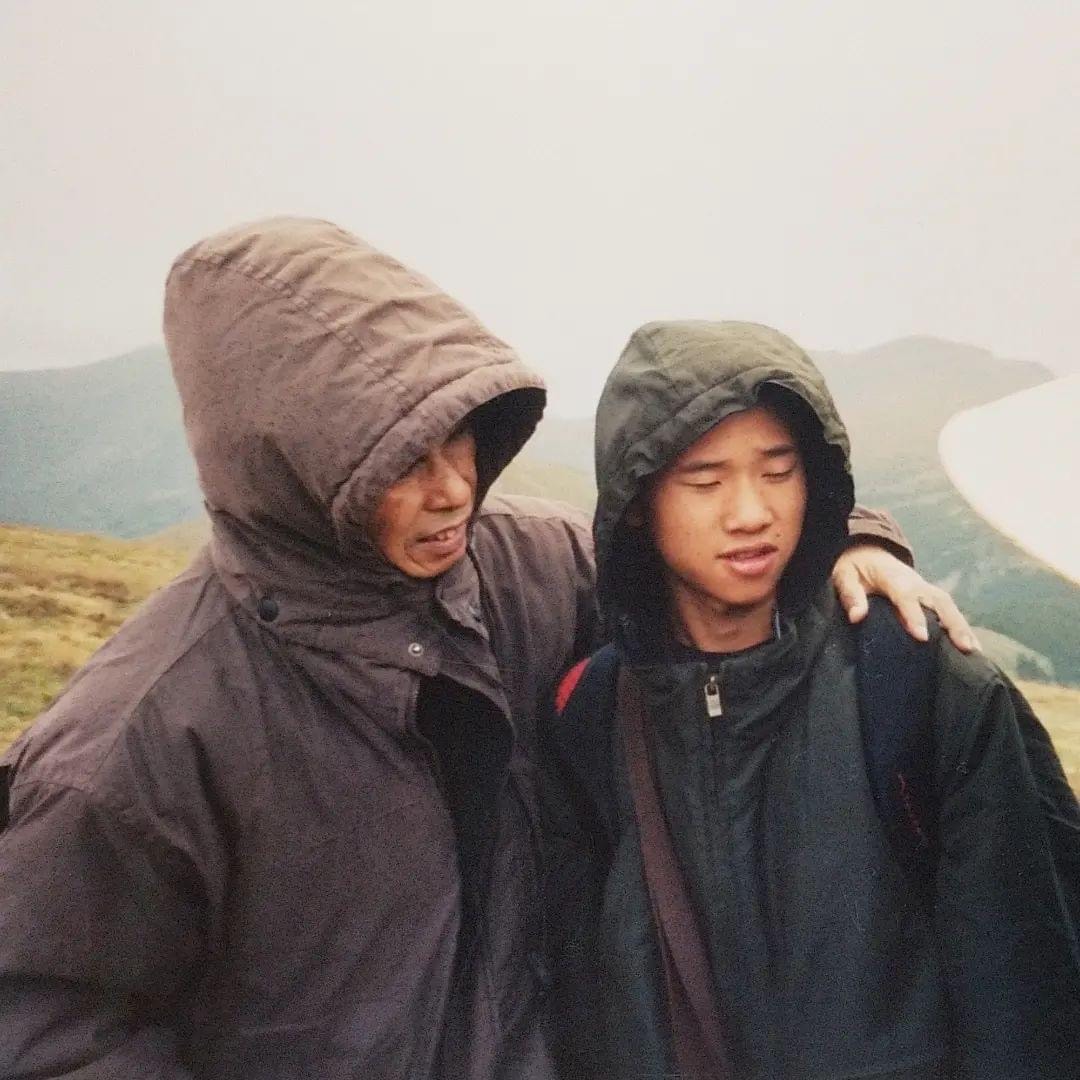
(98,448)
(101,448)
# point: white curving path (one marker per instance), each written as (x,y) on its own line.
(1017,462)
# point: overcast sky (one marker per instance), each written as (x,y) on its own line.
(849,171)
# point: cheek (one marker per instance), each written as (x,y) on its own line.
(390,525)
(662,516)
(792,516)
(681,526)
(800,500)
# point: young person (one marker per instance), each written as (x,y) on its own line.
(783,938)
(284,824)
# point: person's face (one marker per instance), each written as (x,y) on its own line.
(727,513)
(421,522)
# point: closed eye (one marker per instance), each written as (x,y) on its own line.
(781,474)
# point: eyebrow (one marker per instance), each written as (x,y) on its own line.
(770,454)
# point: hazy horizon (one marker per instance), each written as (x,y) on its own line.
(848,173)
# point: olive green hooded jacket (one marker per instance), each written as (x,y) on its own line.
(827,962)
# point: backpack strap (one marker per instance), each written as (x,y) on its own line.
(695,1019)
(568,685)
(895,689)
(578,738)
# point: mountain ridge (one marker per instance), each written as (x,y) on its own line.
(101,448)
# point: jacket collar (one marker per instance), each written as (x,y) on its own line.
(752,683)
(316,597)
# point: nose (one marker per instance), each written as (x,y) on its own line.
(447,484)
(748,509)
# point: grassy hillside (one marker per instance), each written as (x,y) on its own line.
(1059,709)
(528,476)
(895,398)
(63,594)
(101,448)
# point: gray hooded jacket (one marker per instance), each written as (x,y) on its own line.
(231,848)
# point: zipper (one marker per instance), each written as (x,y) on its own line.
(713,705)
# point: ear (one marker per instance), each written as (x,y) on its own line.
(635,515)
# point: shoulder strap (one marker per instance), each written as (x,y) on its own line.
(895,684)
(568,685)
(695,1021)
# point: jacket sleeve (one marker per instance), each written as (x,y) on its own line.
(881,528)
(101,927)
(1009,829)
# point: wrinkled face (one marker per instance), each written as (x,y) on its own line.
(727,513)
(421,522)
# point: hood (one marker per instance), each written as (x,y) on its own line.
(673,383)
(314,370)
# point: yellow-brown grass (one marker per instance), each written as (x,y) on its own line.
(63,594)
(1059,709)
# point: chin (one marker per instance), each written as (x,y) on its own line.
(748,597)
(436,568)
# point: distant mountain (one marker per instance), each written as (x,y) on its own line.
(1018,660)
(528,475)
(101,448)
(98,448)
(895,398)
(566,441)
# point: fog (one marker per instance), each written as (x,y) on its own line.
(849,172)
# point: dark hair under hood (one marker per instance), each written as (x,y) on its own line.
(674,382)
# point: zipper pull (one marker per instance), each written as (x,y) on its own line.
(712,697)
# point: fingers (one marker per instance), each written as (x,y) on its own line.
(951,618)
(869,569)
(850,591)
(911,615)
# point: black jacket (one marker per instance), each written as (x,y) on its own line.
(827,961)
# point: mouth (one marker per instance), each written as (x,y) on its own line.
(753,561)
(445,542)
